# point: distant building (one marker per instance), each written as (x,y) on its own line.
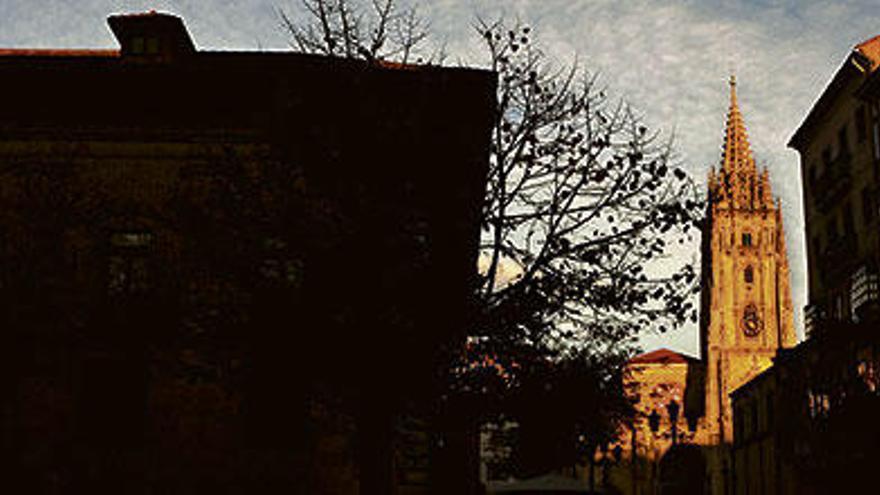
(746,318)
(215,265)
(658,379)
(808,424)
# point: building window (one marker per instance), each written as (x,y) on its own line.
(867,371)
(746,239)
(128,265)
(875,130)
(842,141)
(861,130)
(137,45)
(838,307)
(749,274)
(867,205)
(152,46)
(849,229)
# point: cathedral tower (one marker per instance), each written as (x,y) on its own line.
(746,308)
(745,318)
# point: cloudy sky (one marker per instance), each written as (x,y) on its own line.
(671,59)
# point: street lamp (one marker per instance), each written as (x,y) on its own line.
(654,421)
(672,408)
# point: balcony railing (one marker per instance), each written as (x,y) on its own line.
(864,292)
(814,315)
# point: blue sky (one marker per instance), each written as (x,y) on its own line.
(671,59)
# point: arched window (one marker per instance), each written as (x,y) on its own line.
(749,274)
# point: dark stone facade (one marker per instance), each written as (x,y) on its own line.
(226,272)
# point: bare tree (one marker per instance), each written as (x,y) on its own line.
(371,30)
(583,201)
(583,208)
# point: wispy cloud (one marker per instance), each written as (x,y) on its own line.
(671,59)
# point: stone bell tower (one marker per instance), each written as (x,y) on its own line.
(746,311)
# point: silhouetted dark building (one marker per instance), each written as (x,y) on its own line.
(808,424)
(227,272)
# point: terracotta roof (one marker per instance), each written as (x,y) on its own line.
(54,52)
(664,356)
(871,49)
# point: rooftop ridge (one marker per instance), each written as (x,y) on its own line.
(59,52)
(870,48)
(662,355)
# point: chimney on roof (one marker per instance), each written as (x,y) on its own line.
(151,36)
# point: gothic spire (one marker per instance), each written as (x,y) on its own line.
(737,155)
(738,185)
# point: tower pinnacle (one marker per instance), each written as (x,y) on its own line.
(737,156)
(738,183)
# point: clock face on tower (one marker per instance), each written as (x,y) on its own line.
(751,322)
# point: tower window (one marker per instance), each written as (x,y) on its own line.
(749,274)
(746,239)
